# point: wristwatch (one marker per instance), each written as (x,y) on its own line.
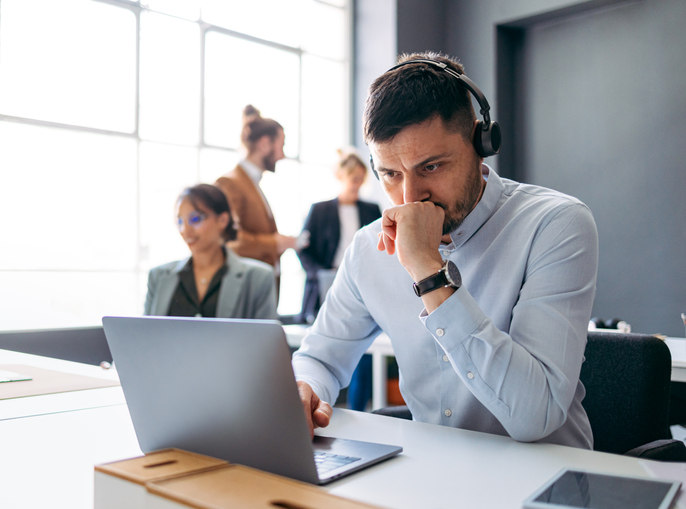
(449,275)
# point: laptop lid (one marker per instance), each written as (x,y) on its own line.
(221,387)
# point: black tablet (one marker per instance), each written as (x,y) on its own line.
(574,489)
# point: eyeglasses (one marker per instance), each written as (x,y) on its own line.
(194,220)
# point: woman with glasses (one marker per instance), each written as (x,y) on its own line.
(213,281)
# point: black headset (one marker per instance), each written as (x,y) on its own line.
(487,137)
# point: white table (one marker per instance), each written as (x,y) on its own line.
(51,443)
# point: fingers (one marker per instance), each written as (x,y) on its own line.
(322,415)
(306,394)
(386,243)
(317,413)
(387,233)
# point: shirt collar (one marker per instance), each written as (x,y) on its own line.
(483,210)
(253,171)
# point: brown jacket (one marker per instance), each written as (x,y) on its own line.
(254,220)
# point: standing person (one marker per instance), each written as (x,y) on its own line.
(483,284)
(331,226)
(263,140)
(213,281)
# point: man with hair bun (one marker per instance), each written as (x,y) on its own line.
(258,237)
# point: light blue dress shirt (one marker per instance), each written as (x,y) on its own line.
(503,354)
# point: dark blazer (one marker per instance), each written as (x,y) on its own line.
(324,226)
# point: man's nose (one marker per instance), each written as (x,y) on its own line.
(414,189)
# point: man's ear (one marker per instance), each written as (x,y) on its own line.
(264,145)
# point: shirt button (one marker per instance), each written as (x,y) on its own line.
(440,332)
(447,412)
(445,358)
(470,375)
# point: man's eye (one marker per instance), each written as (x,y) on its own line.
(389,175)
(431,167)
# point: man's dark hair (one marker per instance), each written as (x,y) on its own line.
(255,127)
(414,93)
(212,198)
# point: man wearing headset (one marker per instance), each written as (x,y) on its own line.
(483,284)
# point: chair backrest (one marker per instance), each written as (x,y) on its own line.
(79,344)
(627,380)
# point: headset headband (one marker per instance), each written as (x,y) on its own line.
(469,84)
(487,137)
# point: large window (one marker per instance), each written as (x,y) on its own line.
(109,108)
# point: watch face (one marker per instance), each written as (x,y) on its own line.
(453,275)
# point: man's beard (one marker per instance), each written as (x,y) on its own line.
(455,215)
(269,162)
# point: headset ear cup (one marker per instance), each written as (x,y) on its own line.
(487,138)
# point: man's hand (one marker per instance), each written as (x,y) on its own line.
(317,412)
(284,242)
(414,231)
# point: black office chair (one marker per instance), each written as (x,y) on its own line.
(627,380)
(78,344)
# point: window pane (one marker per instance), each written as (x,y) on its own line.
(72,197)
(240,72)
(37,300)
(71,61)
(165,171)
(273,20)
(215,162)
(289,200)
(325,108)
(338,3)
(170,79)
(326,29)
(189,9)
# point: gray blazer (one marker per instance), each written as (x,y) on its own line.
(248,289)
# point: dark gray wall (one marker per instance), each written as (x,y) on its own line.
(590,97)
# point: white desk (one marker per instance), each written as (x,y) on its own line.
(48,458)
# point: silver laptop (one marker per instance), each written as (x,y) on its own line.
(225,388)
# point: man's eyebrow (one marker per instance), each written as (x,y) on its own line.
(430,159)
(420,164)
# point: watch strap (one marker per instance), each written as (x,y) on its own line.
(431,283)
